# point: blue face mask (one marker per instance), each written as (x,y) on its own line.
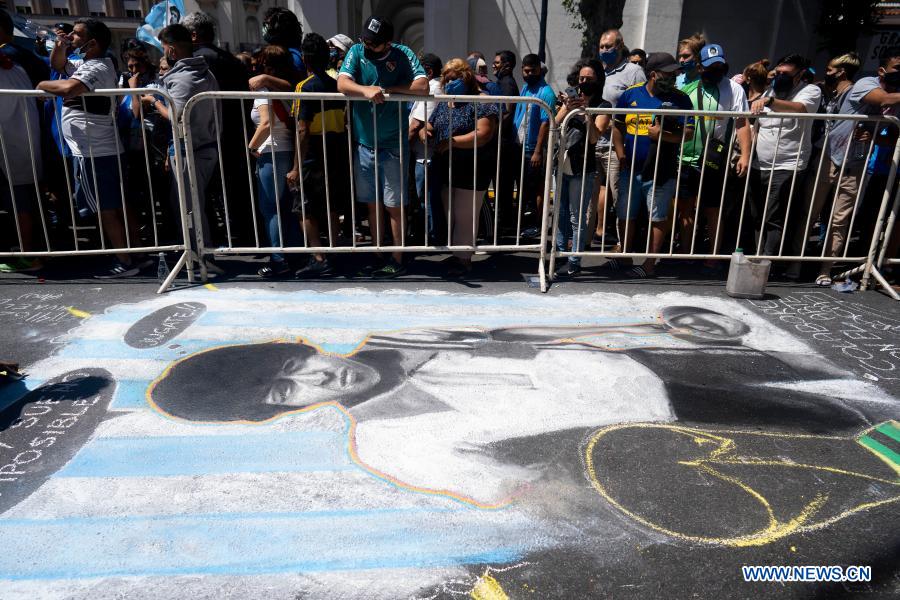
(457,87)
(688,65)
(80,51)
(609,57)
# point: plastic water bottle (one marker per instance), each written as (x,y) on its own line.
(162,272)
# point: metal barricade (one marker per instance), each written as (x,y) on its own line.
(773,227)
(460,237)
(887,236)
(22,211)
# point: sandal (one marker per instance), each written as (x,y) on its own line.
(823,281)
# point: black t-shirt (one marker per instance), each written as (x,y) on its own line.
(230,72)
(334,119)
(575,142)
(508,85)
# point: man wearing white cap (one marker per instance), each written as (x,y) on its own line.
(337,46)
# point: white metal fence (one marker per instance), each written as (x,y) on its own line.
(484,233)
(27,203)
(774,224)
(738,208)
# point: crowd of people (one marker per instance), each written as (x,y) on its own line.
(275,173)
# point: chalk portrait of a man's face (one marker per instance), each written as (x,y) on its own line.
(258,382)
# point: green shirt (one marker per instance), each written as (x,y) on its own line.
(727,96)
(399,67)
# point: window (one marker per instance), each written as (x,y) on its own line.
(133,14)
(97,8)
(23,10)
(60,7)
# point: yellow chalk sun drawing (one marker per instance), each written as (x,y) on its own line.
(722,452)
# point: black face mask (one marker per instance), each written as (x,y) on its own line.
(532,79)
(665,86)
(712,77)
(782,84)
(892,79)
(589,88)
(831,80)
(372,55)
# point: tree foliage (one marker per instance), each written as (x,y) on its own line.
(593,17)
(842,22)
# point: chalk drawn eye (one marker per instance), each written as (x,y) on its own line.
(292,366)
(281,391)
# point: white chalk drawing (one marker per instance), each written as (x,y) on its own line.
(344,433)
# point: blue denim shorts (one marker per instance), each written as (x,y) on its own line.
(656,200)
(391,178)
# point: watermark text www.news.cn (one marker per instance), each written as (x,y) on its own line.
(807,573)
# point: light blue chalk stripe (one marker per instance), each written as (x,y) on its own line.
(256,544)
(118,349)
(371,299)
(130,394)
(170,456)
(366,321)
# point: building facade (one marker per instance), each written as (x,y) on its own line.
(122,16)
(452,28)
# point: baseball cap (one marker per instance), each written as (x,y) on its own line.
(712,54)
(341,41)
(377,30)
(662,61)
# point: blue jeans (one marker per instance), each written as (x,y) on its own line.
(391,179)
(267,177)
(574,211)
(657,200)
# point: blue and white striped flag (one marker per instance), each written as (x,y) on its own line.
(162,14)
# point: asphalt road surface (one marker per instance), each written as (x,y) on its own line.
(422,438)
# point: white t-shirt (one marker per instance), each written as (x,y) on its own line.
(14,129)
(92,132)
(284,137)
(792,131)
(417,148)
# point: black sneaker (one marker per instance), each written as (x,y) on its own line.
(314,268)
(118,270)
(389,271)
(275,268)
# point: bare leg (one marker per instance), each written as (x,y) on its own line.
(396,230)
(375,223)
(657,237)
(311,227)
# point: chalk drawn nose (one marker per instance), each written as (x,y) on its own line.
(163,325)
